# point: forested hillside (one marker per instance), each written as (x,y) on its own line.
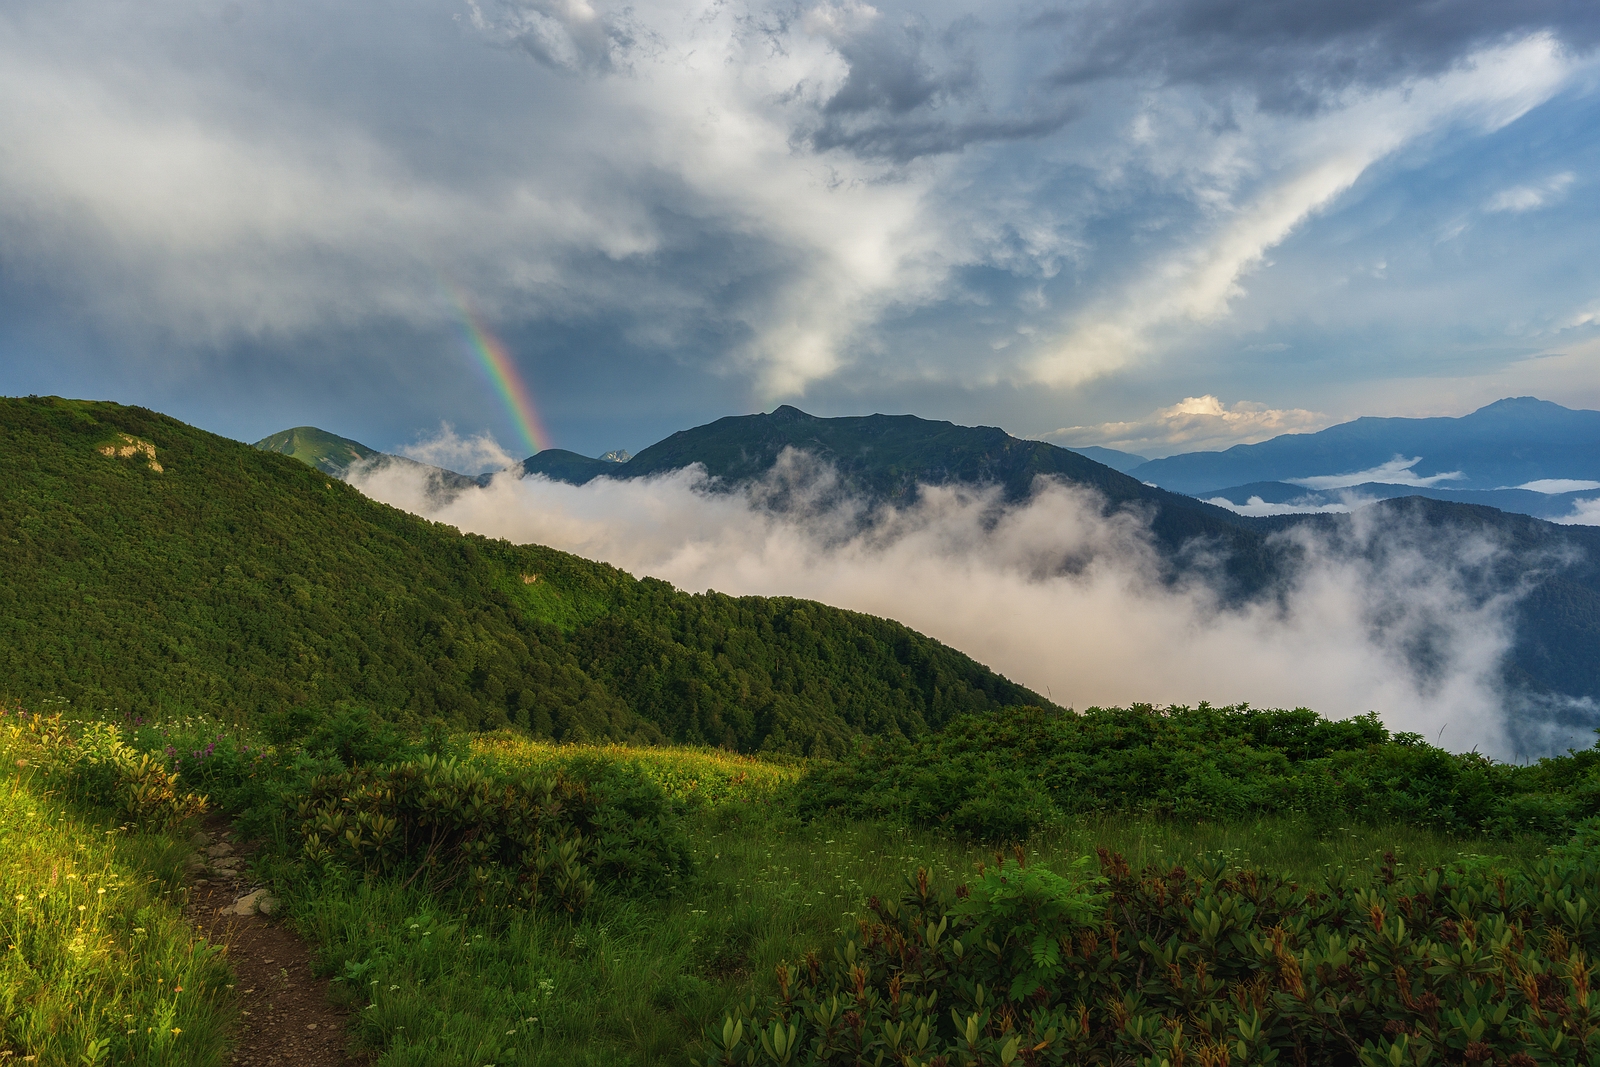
(145,564)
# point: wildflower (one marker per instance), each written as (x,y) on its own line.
(176,1030)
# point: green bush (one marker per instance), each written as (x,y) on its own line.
(998,777)
(92,765)
(535,841)
(1214,966)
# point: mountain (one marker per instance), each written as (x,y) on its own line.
(1508,443)
(328,452)
(1117,461)
(559,465)
(335,455)
(885,458)
(146,565)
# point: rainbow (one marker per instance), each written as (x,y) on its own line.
(502,372)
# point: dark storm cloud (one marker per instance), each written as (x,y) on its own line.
(911,91)
(1294,53)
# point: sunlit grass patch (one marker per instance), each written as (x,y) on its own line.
(698,776)
(96,963)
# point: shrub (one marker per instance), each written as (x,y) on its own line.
(998,777)
(93,765)
(538,841)
(1213,966)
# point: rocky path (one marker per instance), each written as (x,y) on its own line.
(285,1014)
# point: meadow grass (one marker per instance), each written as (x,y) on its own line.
(97,965)
(636,981)
(693,776)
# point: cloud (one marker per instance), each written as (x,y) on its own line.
(1395,472)
(786,194)
(1256,507)
(1559,485)
(464,455)
(1265,178)
(1520,198)
(1196,423)
(911,90)
(569,35)
(1293,56)
(1584,513)
(1056,594)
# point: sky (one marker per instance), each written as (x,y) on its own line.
(1162,225)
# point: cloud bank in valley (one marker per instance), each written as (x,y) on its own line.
(1054,594)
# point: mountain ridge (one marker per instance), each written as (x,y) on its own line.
(240,581)
(1508,443)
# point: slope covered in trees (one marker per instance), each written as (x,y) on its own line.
(238,580)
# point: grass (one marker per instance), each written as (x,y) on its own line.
(697,777)
(636,982)
(630,981)
(97,965)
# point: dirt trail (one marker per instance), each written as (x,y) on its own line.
(285,1015)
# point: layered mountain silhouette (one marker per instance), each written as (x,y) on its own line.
(1522,450)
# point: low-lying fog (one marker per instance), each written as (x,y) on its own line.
(1057,596)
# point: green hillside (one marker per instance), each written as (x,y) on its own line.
(145,564)
(328,452)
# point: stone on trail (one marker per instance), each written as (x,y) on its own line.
(259,902)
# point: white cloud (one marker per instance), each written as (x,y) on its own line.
(1267,176)
(1584,513)
(1559,485)
(1395,472)
(1194,424)
(662,166)
(465,455)
(1520,198)
(1054,594)
(1256,507)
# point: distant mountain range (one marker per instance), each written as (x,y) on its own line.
(1117,461)
(885,458)
(1520,454)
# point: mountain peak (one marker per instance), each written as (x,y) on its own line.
(1522,405)
(790,413)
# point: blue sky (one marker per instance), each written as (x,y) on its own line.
(1162,225)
